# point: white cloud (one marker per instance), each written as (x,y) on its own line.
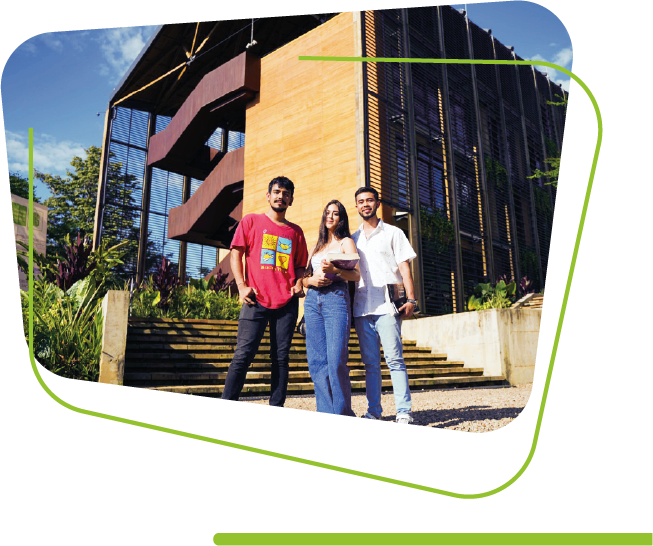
(29,46)
(56,41)
(562,58)
(50,156)
(52,40)
(120,46)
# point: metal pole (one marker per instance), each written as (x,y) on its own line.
(511,197)
(145,205)
(528,163)
(458,281)
(481,159)
(183,245)
(102,180)
(413,183)
(224,141)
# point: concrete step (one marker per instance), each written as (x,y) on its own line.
(252,389)
(218,378)
(223,340)
(136,358)
(199,366)
(214,322)
(194,333)
(194,327)
(154,347)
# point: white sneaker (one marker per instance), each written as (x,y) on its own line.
(404,419)
(368,415)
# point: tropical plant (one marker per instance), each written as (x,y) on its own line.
(75,264)
(204,304)
(489,296)
(68,321)
(196,301)
(165,280)
(525,287)
(22,257)
(220,280)
(145,301)
(215,282)
(67,327)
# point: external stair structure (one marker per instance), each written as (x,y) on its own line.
(211,214)
(193,356)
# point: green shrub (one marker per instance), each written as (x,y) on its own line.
(488,296)
(68,325)
(67,328)
(204,304)
(197,301)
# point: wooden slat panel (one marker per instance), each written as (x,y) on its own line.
(303,126)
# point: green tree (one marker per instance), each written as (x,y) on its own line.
(71,208)
(20,186)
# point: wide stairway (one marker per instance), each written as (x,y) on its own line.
(193,356)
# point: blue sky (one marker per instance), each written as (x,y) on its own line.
(57,83)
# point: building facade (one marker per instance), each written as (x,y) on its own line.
(202,122)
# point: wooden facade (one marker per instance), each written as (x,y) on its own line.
(303,126)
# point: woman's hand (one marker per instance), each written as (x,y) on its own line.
(328,267)
(318,281)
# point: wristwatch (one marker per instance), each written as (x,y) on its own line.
(414,302)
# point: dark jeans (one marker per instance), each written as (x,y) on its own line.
(251,327)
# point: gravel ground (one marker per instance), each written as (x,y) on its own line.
(471,410)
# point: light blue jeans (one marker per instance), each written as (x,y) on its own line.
(374,331)
(327,314)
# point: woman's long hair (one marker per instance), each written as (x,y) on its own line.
(342,229)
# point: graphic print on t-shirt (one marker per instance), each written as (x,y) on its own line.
(275,251)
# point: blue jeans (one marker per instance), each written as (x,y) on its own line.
(373,331)
(327,315)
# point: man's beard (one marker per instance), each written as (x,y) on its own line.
(368,215)
(277,208)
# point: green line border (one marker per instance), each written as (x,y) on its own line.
(308,461)
(428,539)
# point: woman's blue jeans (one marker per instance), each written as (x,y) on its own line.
(327,314)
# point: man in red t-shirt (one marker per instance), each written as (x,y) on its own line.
(275,258)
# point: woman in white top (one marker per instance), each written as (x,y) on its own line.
(327,313)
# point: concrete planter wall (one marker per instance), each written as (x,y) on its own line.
(502,341)
(115,317)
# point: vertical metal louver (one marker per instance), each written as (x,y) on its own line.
(433,165)
(124,193)
(477,134)
(495,160)
(386,135)
(464,136)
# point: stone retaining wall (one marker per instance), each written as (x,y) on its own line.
(502,341)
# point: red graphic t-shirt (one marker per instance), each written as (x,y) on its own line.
(272,253)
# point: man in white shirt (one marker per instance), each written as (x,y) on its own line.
(385,254)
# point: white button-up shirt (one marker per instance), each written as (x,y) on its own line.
(380,254)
